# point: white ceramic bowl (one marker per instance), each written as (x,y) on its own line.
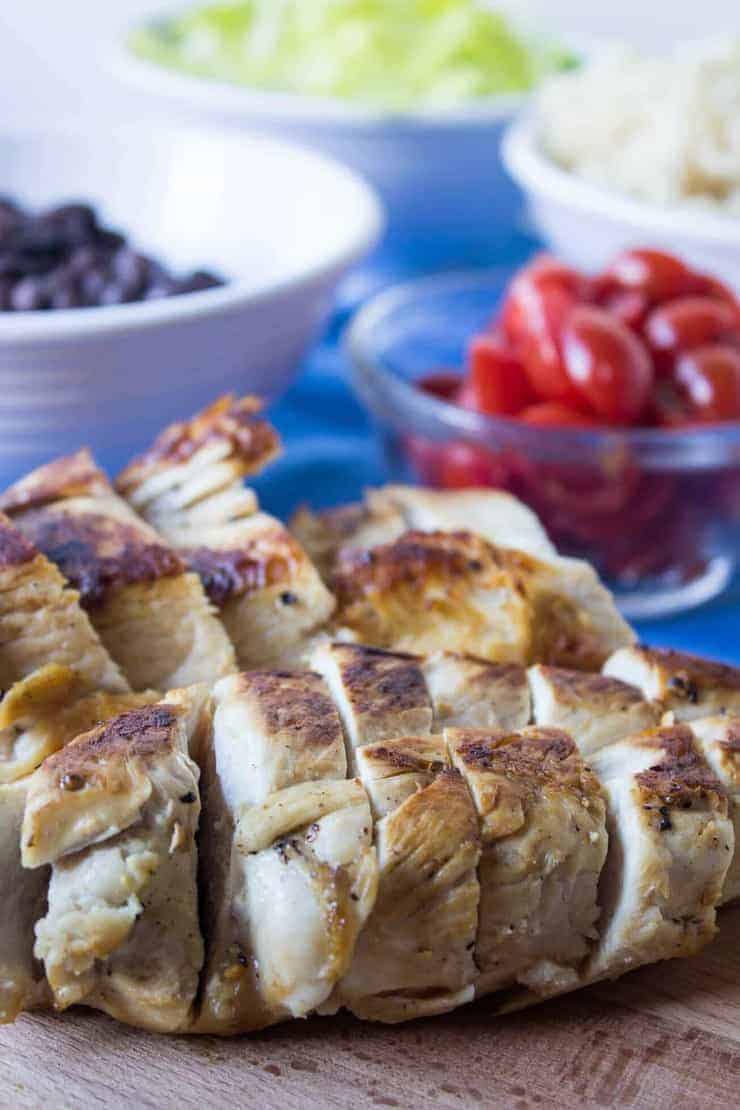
(439,173)
(282,225)
(587,225)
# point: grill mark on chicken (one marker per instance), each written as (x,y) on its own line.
(138,732)
(72,476)
(395,757)
(580,684)
(15,548)
(691,671)
(372,676)
(98,554)
(254,441)
(295,701)
(264,560)
(409,560)
(682,777)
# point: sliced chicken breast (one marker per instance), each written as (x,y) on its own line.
(115,813)
(152,616)
(415,955)
(670,845)
(687,685)
(575,621)
(473,693)
(499,517)
(388,512)
(267,591)
(41,621)
(432,588)
(719,742)
(543,831)
(22,904)
(192,474)
(595,709)
(394,770)
(288,872)
(456,589)
(379,694)
(43,712)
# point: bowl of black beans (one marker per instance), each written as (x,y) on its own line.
(65,257)
(145,271)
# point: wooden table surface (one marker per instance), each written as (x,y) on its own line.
(667,1036)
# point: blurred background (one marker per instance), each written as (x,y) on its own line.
(301,248)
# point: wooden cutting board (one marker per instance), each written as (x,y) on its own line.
(667,1036)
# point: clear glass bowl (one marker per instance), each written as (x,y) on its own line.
(656,511)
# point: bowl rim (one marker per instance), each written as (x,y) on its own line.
(245,102)
(711,445)
(537,174)
(72,324)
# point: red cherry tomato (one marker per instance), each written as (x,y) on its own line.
(608,365)
(686,323)
(463,465)
(498,382)
(708,379)
(553,414)
(442,383)
(539,300)
(658,275)
(629,306)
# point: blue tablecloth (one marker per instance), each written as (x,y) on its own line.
(331,455)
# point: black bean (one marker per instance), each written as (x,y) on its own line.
(29,294)
(62,257)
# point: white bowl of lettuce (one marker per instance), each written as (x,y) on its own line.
(412,94)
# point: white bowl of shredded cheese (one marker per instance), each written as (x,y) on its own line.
(637,152)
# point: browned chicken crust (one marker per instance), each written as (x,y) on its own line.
(72,476)
(254,441)
(269,558)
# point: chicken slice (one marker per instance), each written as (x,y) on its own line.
(718,739)
(191,464)
(267,591)
(456,590)
(43,712)
(393,770)
(595,709)
(388,512)
(41,621)
(575,621)
(432,589)
(472,693)
(22,904)
(499,517)
(379,694)
(288,872)
(670,845)
(687,685)
(115,813)
(324,534)
(152,616)
(543,831)
(415,955)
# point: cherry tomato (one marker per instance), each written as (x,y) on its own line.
(463,465)
(713,287)
(686,323)
(553,414)
(442,383)
(498,381)
(658,275)
(629,306)
(608,365)
(539,300)
(708,378)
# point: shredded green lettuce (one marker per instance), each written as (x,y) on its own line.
(396,54)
